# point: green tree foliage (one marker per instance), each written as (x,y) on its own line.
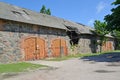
(45,11)
(113,22)
(113,19)
(117,2)
(48,12)
(100,30)
(116,34)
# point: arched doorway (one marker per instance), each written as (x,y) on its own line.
(59,47)
(34,48)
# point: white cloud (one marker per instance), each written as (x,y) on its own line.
(90,22)
(100,6)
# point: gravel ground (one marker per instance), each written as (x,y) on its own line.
(73,69)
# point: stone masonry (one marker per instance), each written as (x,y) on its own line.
(13,33)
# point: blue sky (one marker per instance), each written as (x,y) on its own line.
(82,11)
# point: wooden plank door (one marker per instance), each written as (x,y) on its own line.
(34,48)
(40,48)
(55,48)
(30,47)
(107,46)
(58,47)
(64,47)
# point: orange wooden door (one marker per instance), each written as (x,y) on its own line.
(59,47)
(34,48)
(110,46)
(55,47)
(40,48)
(107,46)
(64,47)
(30,47)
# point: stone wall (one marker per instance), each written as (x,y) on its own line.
(87,44)
(13,33)
(93,47)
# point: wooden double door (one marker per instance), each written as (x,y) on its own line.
(107,46)
(34,48)
(58,47)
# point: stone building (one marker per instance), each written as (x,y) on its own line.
(28,35)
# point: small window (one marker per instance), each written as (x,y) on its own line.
(22,13)
(17,13)
(25,12)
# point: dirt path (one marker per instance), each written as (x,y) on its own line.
(74,69)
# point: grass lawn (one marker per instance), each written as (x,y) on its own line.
(69,57)
(77,56)
(19,67)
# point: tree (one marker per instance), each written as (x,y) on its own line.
(100,30)
(113,19)
(48,12)
(116,34)
(45,11)
(113,22)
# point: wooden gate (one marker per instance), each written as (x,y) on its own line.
(107,46)
(34,48)
(59,47)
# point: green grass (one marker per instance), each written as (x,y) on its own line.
(77,56)
(23,66)
(19,67)
(116,51)
(69,57)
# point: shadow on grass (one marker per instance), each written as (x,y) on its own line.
(107,57)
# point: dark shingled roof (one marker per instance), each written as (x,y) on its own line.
(14,13)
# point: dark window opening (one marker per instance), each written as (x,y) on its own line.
(74,37)
(22,13)
(25,12)
(17,13)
